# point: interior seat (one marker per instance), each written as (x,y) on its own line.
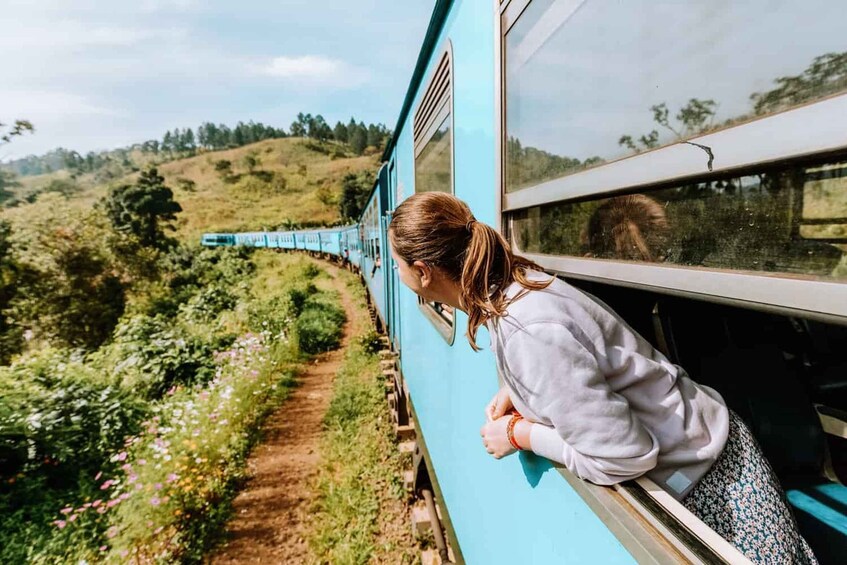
(736,352)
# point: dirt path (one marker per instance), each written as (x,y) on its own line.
(271,514)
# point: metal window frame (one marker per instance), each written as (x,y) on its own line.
(434,107)
(814,129)
(647,521)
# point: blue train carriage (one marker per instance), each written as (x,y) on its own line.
(300,240)
(287,240)
(331,242)
(272,239)
(311,241)
(374,252)
(351,247)
(217,240)
(252,239)
(738,154)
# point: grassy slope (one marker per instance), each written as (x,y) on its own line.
(221,206)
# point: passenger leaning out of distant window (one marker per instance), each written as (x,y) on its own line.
(585,389)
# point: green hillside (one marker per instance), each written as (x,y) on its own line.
(272,183)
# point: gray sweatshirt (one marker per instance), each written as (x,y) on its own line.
(611,407)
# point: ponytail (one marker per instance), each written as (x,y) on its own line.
(439,229)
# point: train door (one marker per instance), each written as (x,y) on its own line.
(392,274)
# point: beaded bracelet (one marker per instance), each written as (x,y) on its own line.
(510,431)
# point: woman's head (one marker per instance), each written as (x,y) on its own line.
(442,250)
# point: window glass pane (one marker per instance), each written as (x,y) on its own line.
(433,166)
(790,220)
(596,80)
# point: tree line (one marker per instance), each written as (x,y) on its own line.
(185,142)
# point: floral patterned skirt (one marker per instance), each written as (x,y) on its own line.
(740,499)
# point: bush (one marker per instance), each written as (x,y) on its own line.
(319,326)
(152,355)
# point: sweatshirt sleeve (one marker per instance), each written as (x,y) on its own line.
(594,433)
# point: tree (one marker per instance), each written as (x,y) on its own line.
(71,290)
(144,209)
(340,132)
(7,180)
(10,330)
(20,127)
(251,161)
(354,195)
(359,140)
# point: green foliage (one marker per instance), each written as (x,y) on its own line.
(71,290)
(185,184)
(56,411)
(355,191)
(251,161)
(144,210)
(11,334)
(354,492)
(319,325)
(152,355)
(20,127)
(370,342)
(59,423)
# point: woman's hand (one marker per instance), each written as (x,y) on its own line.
(499,405)
(494,437)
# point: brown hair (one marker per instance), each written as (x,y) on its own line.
(440,230)
(632,227)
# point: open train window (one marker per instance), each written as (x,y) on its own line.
(693,160)
(433,144)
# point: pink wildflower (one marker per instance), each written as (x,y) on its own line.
(155,501)
(60,523)
(98,475)
(67,510)
(107,484)
(103,548)
(122,456)
(96,503)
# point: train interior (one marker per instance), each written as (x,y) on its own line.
(787,379)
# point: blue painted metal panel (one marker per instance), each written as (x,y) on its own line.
(520,498)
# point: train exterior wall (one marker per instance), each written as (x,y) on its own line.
(520,509)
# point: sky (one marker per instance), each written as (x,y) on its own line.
(100,74)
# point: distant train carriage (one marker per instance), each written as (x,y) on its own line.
(217,239)
(331,242)
(273,240)
(286,240)
(312,241)
(300,240)
(351,244)
(591,110)
(252,239)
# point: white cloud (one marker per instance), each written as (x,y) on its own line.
(40,106)
(315,70)
(69,34)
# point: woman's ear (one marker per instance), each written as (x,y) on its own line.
(424,273)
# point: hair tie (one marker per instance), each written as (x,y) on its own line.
(469,225)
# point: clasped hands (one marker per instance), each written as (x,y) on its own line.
(497,416)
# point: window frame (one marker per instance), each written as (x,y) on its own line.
(810,130)
(647,521)
(435,106)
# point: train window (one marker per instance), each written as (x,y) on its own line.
(433,131)
(789,220)
(433,137)
(589,82)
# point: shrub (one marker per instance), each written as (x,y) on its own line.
(319,325)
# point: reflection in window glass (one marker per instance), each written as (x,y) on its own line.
(596,80)
(790,220)
(433,166)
